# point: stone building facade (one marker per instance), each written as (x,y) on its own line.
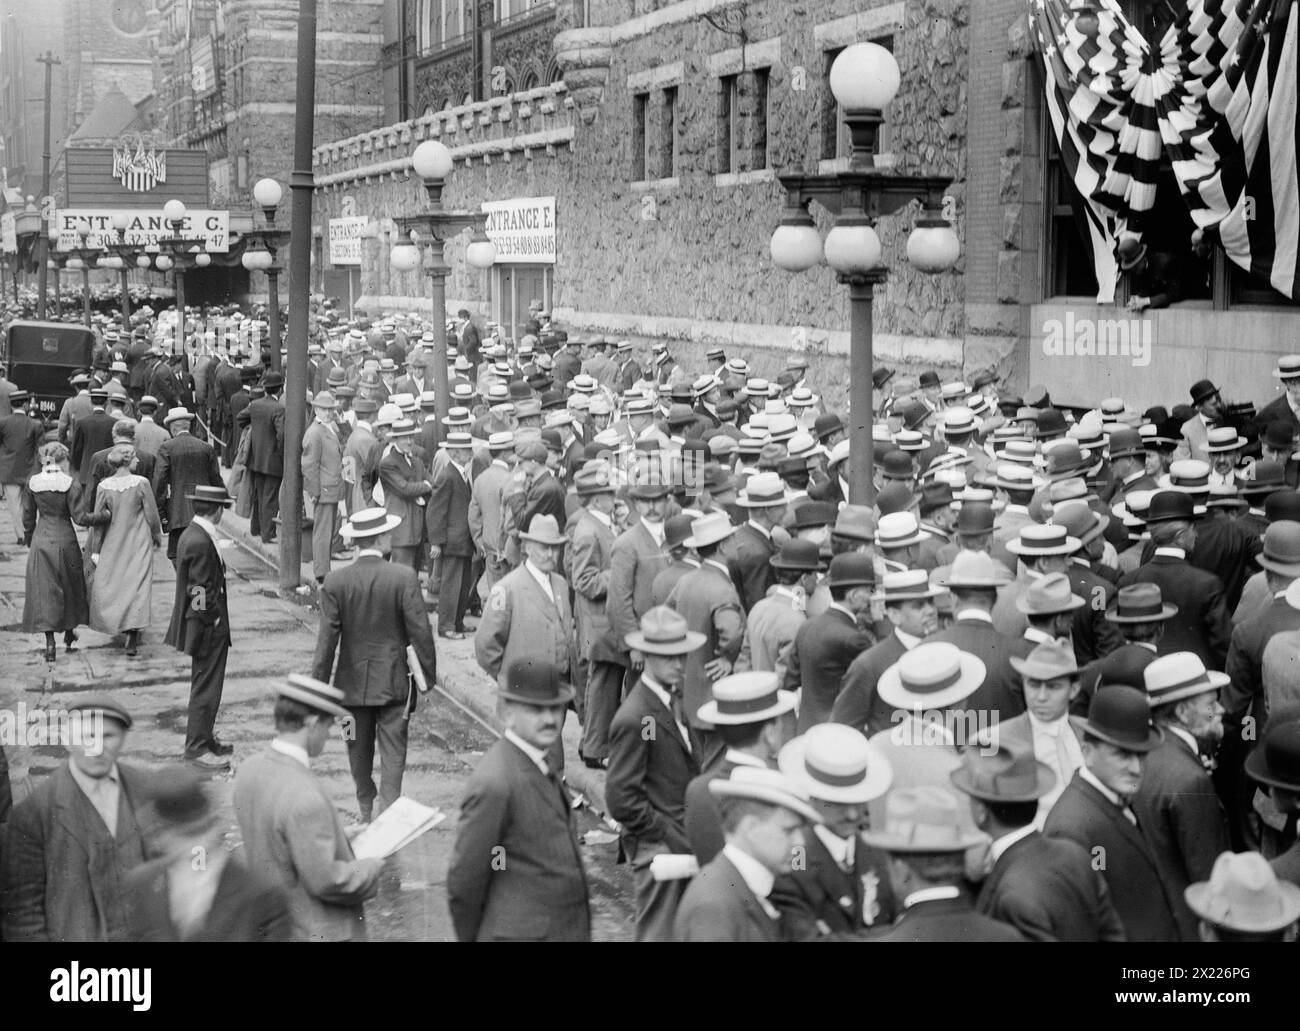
(661,143)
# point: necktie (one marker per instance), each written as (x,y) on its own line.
(679,716)
(1062,759)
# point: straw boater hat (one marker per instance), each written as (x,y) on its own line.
(765,490)
(836,763)
(709,529)
(898,530)
(209,494)
(369,522)
(1244,894)
(746,698)
(312,693)
(906,585)
(763,785)
(663,632)
(1043,539)
(1179,675)
(931,676)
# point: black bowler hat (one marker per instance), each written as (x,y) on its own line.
(827,424)
(1170,505)
(1276,762)
(929,378)
(798,554)
(535,682)
(1278,435)
(1282,504)
(852,570)
(880,376)
(1202,390)
(1121,716)
(272,381)
(975,517)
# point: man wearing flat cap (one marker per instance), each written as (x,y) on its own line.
(764,814)
(654,754)
(516,872)
(90,807)
(1095,811)
(1046,888)
(173,898)
(293,836)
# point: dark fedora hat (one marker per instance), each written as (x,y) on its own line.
(935,494)
(1168,505)
(1282,504)
(1140,603)
(534,681)
(1050,423)
(1202,390)
(1279,435)
(677,529)
(815,513)
(1269,477)
(1276,761)
(1007,775)
(798,554)
(1121,716)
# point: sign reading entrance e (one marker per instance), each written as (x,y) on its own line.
(345,240)
(523,229)
(210,229)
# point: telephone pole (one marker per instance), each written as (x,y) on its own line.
(43,243)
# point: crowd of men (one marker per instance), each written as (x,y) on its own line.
(1052,631)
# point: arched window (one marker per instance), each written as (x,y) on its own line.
(531,80)
(554,73)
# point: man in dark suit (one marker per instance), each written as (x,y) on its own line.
(1201,624)
(516,806)
(183,463)
(750,551)
(544,494)
(973,580)
(92,433)
(764,813)
(1282,409)
(89,808)
(827,644)
(371,611)
(266,456)
(653,756)
(20,436)
(1094,811)
(752,718)
(926,837)
(843,886)
(1176,804)
(1046,888)
(1093,637)
(909,605)
(639,555)
(1140,612)
(470,343)
(200,623)
(166,383)
(174,899)
(226,382)
(568,363)
(447,523)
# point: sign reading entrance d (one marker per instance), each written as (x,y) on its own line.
(523,229)
(345,240)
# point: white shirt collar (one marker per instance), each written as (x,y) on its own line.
(601,518)
(761,529)
(1052,729)
(999,847)
(931,895)
(658,690)
(543,580)
(655,530)
(909,642)
(841,608)
(744,759)
(837,847)
(1032,633)
(1172,552)
(1021,509)
(535,754)
(87,783)
(1187,736)
(204,525)
(1091,778)
(291,750)
(973,613)
(721,567)
(756,876)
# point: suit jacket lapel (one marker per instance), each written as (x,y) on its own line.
(543,785)
(1116,816)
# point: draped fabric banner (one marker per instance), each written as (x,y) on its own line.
(1218,102)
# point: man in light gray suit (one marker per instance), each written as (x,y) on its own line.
(486,500)
(292,833)
(322,480)
(639,556)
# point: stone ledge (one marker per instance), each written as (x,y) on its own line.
(853,28)
(657,78)
(759,175)
(671,183)
(763,54)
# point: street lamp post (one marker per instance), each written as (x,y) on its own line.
(433,162)
(80,257)
(125,254)
(267,193)
(864,79)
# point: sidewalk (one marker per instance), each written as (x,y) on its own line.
(458,672)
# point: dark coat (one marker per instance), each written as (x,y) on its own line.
(1244,694)
(749,555)
(93,432)
(822,899)
(645,789)
(718,906)
(266,436)
(1092,635)
(821,654)
(1122,666)
(244,909)
(540,892)
(1278,410)
(1228,550)
(403,479)
(20,436)
(166,385)
(370,610)
(1133,875)
(1001,694)
(1180,813)
(200,621)
(446,517)
(946,920)
(545,496)
(183,461)
(857,704)
(1201,624)
(1047,889)
(64,874)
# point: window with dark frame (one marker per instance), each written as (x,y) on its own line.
(728,118)
(834,133)
(668,135)
(640,102)
(760,101)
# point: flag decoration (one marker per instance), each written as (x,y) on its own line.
(1218,101)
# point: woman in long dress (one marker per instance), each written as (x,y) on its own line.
(128,530)
(55,595)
